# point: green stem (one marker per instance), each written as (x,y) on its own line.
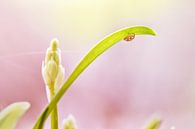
(54,113)
(54,118)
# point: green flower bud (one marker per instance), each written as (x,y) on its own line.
(69,123)
(153,124)
(52,70)
(54,45)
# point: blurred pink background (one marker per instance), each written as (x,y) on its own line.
(123,87)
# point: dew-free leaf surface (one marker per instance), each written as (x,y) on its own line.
(12,113)
(101,47)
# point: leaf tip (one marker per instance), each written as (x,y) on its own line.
(25,105)
(153,32)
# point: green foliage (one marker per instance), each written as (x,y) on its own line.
(11,114)
(101,47)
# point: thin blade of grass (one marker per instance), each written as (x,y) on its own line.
(101,47)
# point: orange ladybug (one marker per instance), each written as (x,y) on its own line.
(130,37)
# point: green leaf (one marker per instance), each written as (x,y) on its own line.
(87,60)
(11,114)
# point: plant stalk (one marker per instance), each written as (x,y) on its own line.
(54,118)
(54,113)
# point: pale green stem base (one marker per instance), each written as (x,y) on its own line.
(54,113)
(54,118)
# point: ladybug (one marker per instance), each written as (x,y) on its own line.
(130,37)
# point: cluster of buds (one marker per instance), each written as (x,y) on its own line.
(52,70)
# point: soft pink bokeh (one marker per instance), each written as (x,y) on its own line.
(123,87)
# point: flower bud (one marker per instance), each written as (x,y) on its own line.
(153,124)
(52,70)
(69,123)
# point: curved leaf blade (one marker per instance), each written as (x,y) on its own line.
(11,114)
(101,47)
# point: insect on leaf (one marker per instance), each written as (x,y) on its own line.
(101,47)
